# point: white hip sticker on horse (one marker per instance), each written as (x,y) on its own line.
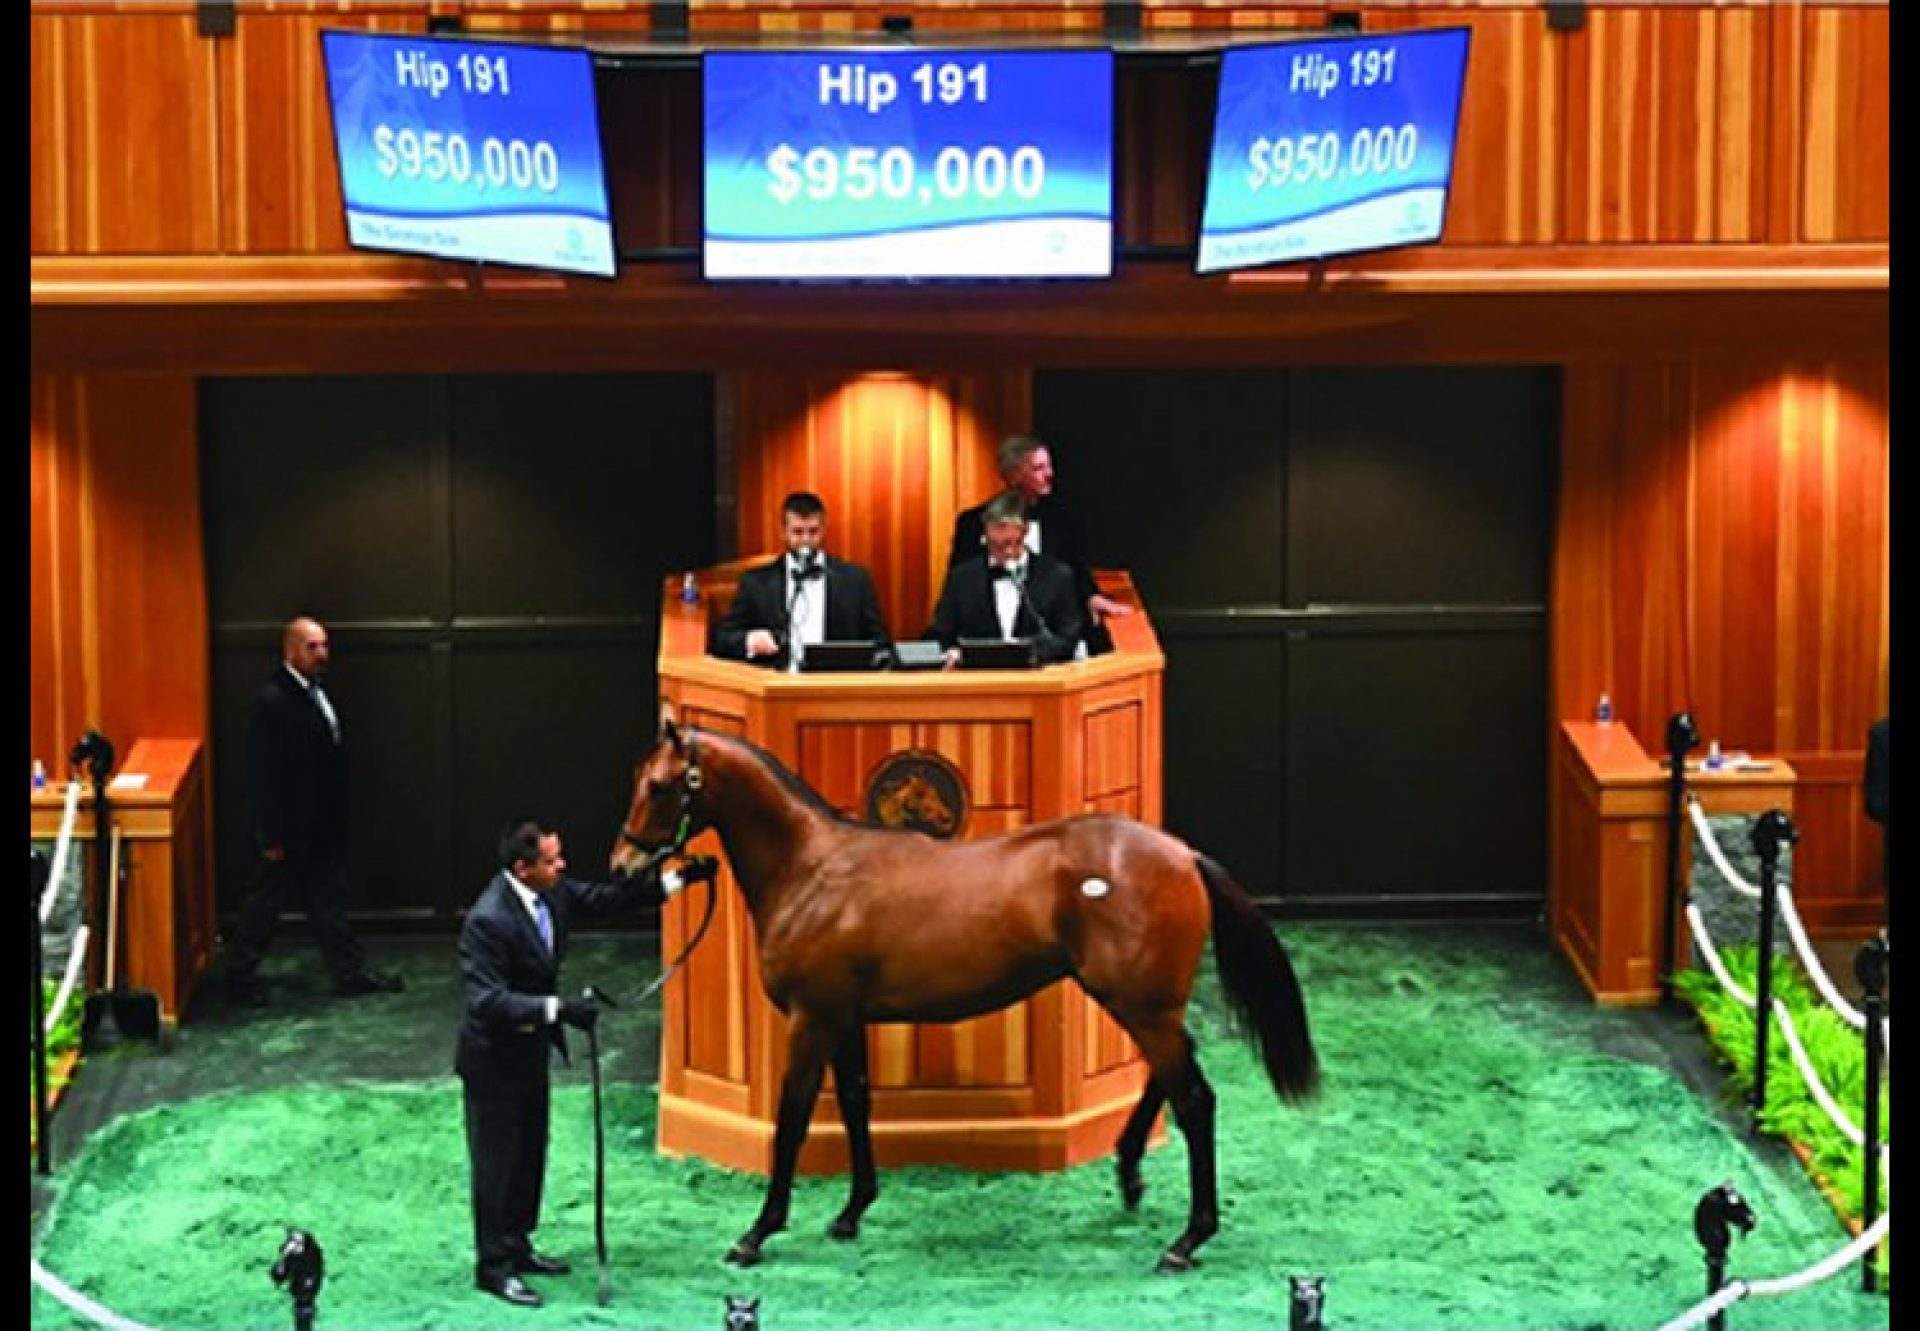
(1094,887)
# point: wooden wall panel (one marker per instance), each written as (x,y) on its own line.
(1844,175)
(1666,131)
(277,157)
(1724,548)
(62,643)
(117,583)
(894,457)
(1651,124)
(1509,152)
(124,136)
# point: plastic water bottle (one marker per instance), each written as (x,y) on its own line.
(1603,711)
(1714,761)
(39,775)
(690,589)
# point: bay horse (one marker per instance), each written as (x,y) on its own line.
(858,924)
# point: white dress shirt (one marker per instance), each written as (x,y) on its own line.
(808,597)
(529,900)
(1006,597)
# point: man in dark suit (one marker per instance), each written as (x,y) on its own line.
(297,794)
(511,947)
(1877,788)
(805,597)
(1010,593)
(1026,469)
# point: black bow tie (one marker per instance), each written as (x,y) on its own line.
(807,572)
(999,571)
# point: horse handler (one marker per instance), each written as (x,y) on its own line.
(510,952)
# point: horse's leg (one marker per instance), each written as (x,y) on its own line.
(808,1045)
(1132,1144)
(1169,1052)
(856,1112)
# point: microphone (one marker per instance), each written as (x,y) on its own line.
(1017,575)
(804,567)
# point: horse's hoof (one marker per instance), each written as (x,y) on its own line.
(1175,1262)
(744,1254)
(843,1229)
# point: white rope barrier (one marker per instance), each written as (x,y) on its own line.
(62,846)
(69,981)
(1703,940)
(1815,1085)
(1784,1019)
(1704,830)
(77,953)
(1838,1260)
(95,1312)
(1874,1234)
(1789,914)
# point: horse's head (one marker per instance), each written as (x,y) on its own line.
(665,810)
(920,799)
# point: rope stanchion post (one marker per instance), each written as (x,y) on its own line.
(1719,1212)
(1682,738)
(1771,830)
(43,1146)
(1871,968)
(301,1268)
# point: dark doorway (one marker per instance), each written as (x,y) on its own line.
(1348,569)
(487,553)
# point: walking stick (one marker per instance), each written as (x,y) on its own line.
(599,1150)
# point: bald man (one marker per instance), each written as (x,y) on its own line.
(297,798)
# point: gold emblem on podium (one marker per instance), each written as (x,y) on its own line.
(918,790)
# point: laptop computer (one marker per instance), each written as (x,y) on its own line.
(845,654)
(997,654)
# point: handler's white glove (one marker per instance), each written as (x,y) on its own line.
(695,869)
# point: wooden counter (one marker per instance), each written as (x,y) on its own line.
(158,801)
(1609,851)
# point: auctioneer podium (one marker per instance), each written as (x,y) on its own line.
(1041,1085)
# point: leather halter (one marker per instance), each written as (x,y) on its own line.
(687,788)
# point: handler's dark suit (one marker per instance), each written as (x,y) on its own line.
(297,796)
(506,1044)
(968,607)
(764,599)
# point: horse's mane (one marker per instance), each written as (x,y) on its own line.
(799,789)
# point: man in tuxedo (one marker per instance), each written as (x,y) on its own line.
(297,795)
(804,597)
(1026,469)
(511,947)
(1013,592)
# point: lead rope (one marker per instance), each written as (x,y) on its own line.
(692,782)
(706,918)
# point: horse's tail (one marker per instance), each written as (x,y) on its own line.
(1260,984)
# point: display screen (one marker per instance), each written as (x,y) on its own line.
(1331,146)
(487,151)
(908,164)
